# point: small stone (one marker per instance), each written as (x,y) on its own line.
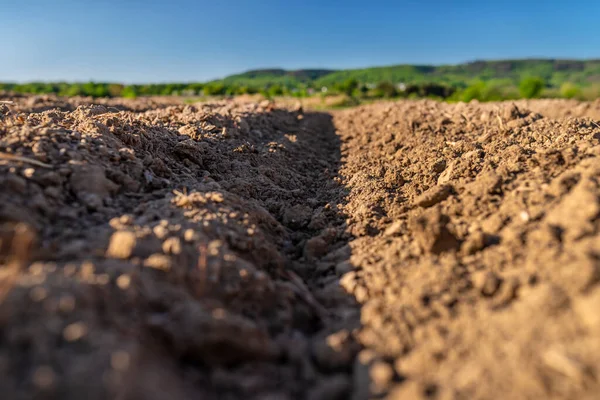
(487,282)
(172,246)
(361,294)
(394,229)
(123,281)
(75,331)
(447,175)
(38,294)
(160,231)
(158,261)
(190,235)
(28,172)
(122,244)
(126,219)
(524,215)
(381,374)
(44,377)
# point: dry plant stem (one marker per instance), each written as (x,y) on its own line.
(12,157)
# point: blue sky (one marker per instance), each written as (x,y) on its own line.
(183,40)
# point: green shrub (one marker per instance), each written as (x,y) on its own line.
(531,87)
(569,90)
(385,89)
(473,92)
(214,89)
(275,90)
(129,92)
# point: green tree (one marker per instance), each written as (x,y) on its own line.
(385,89)
(275,90)
(472,92)
(348,87)
(130,92)
(482,91)
(531,87)
(569,90)
(214,89)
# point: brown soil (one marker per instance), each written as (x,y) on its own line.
(153,250)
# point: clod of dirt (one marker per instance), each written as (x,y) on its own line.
(477,241)
(434,196)
(432,233)
(214,337)
(90,185)
(297,216)
(487,282)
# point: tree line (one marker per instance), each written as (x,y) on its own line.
(491,90)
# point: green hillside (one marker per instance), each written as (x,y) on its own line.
(266,76)
(554,72)
(483,80)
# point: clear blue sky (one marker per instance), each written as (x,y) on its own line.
(184,40)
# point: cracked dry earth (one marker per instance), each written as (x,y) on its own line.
(409,250)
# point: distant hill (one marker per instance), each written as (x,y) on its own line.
(260,77)
(553,71)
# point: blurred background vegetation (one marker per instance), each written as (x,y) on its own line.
(481,80)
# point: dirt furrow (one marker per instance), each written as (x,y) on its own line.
(476,251)
(180,252)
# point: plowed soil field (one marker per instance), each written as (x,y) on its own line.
(408,250)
